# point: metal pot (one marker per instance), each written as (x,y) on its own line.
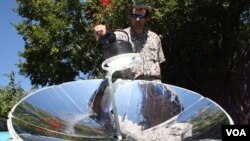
(112,46)
(117,48)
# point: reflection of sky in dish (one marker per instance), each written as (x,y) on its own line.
(131,94)
(56,100)
(186,97)
(73,97)
(81,91)
(201,106)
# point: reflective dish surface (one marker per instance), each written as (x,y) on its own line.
(82,110)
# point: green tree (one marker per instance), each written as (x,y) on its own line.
(10,95)
(59,43)
(205,43)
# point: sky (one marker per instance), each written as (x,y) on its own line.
(10,44)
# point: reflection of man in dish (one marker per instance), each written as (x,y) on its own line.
(100,103)
(159,104)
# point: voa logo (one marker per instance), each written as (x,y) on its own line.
(236,132)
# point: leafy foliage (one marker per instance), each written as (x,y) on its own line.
(205,42)
(9,96)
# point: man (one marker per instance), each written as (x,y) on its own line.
(148,45)
(145,42)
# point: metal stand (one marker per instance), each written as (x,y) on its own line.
(117,125)
(111,65)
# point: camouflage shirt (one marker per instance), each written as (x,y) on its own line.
(150,49)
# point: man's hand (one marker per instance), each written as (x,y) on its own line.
(99,31)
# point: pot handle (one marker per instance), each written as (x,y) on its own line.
(120,30)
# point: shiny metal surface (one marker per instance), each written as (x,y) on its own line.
(122,62)
(82,110)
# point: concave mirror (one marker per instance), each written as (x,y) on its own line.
(147,110)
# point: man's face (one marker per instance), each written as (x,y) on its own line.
(138,18)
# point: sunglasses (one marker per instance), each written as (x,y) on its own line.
(140,16)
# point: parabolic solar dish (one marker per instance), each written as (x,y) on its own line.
(82,110)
